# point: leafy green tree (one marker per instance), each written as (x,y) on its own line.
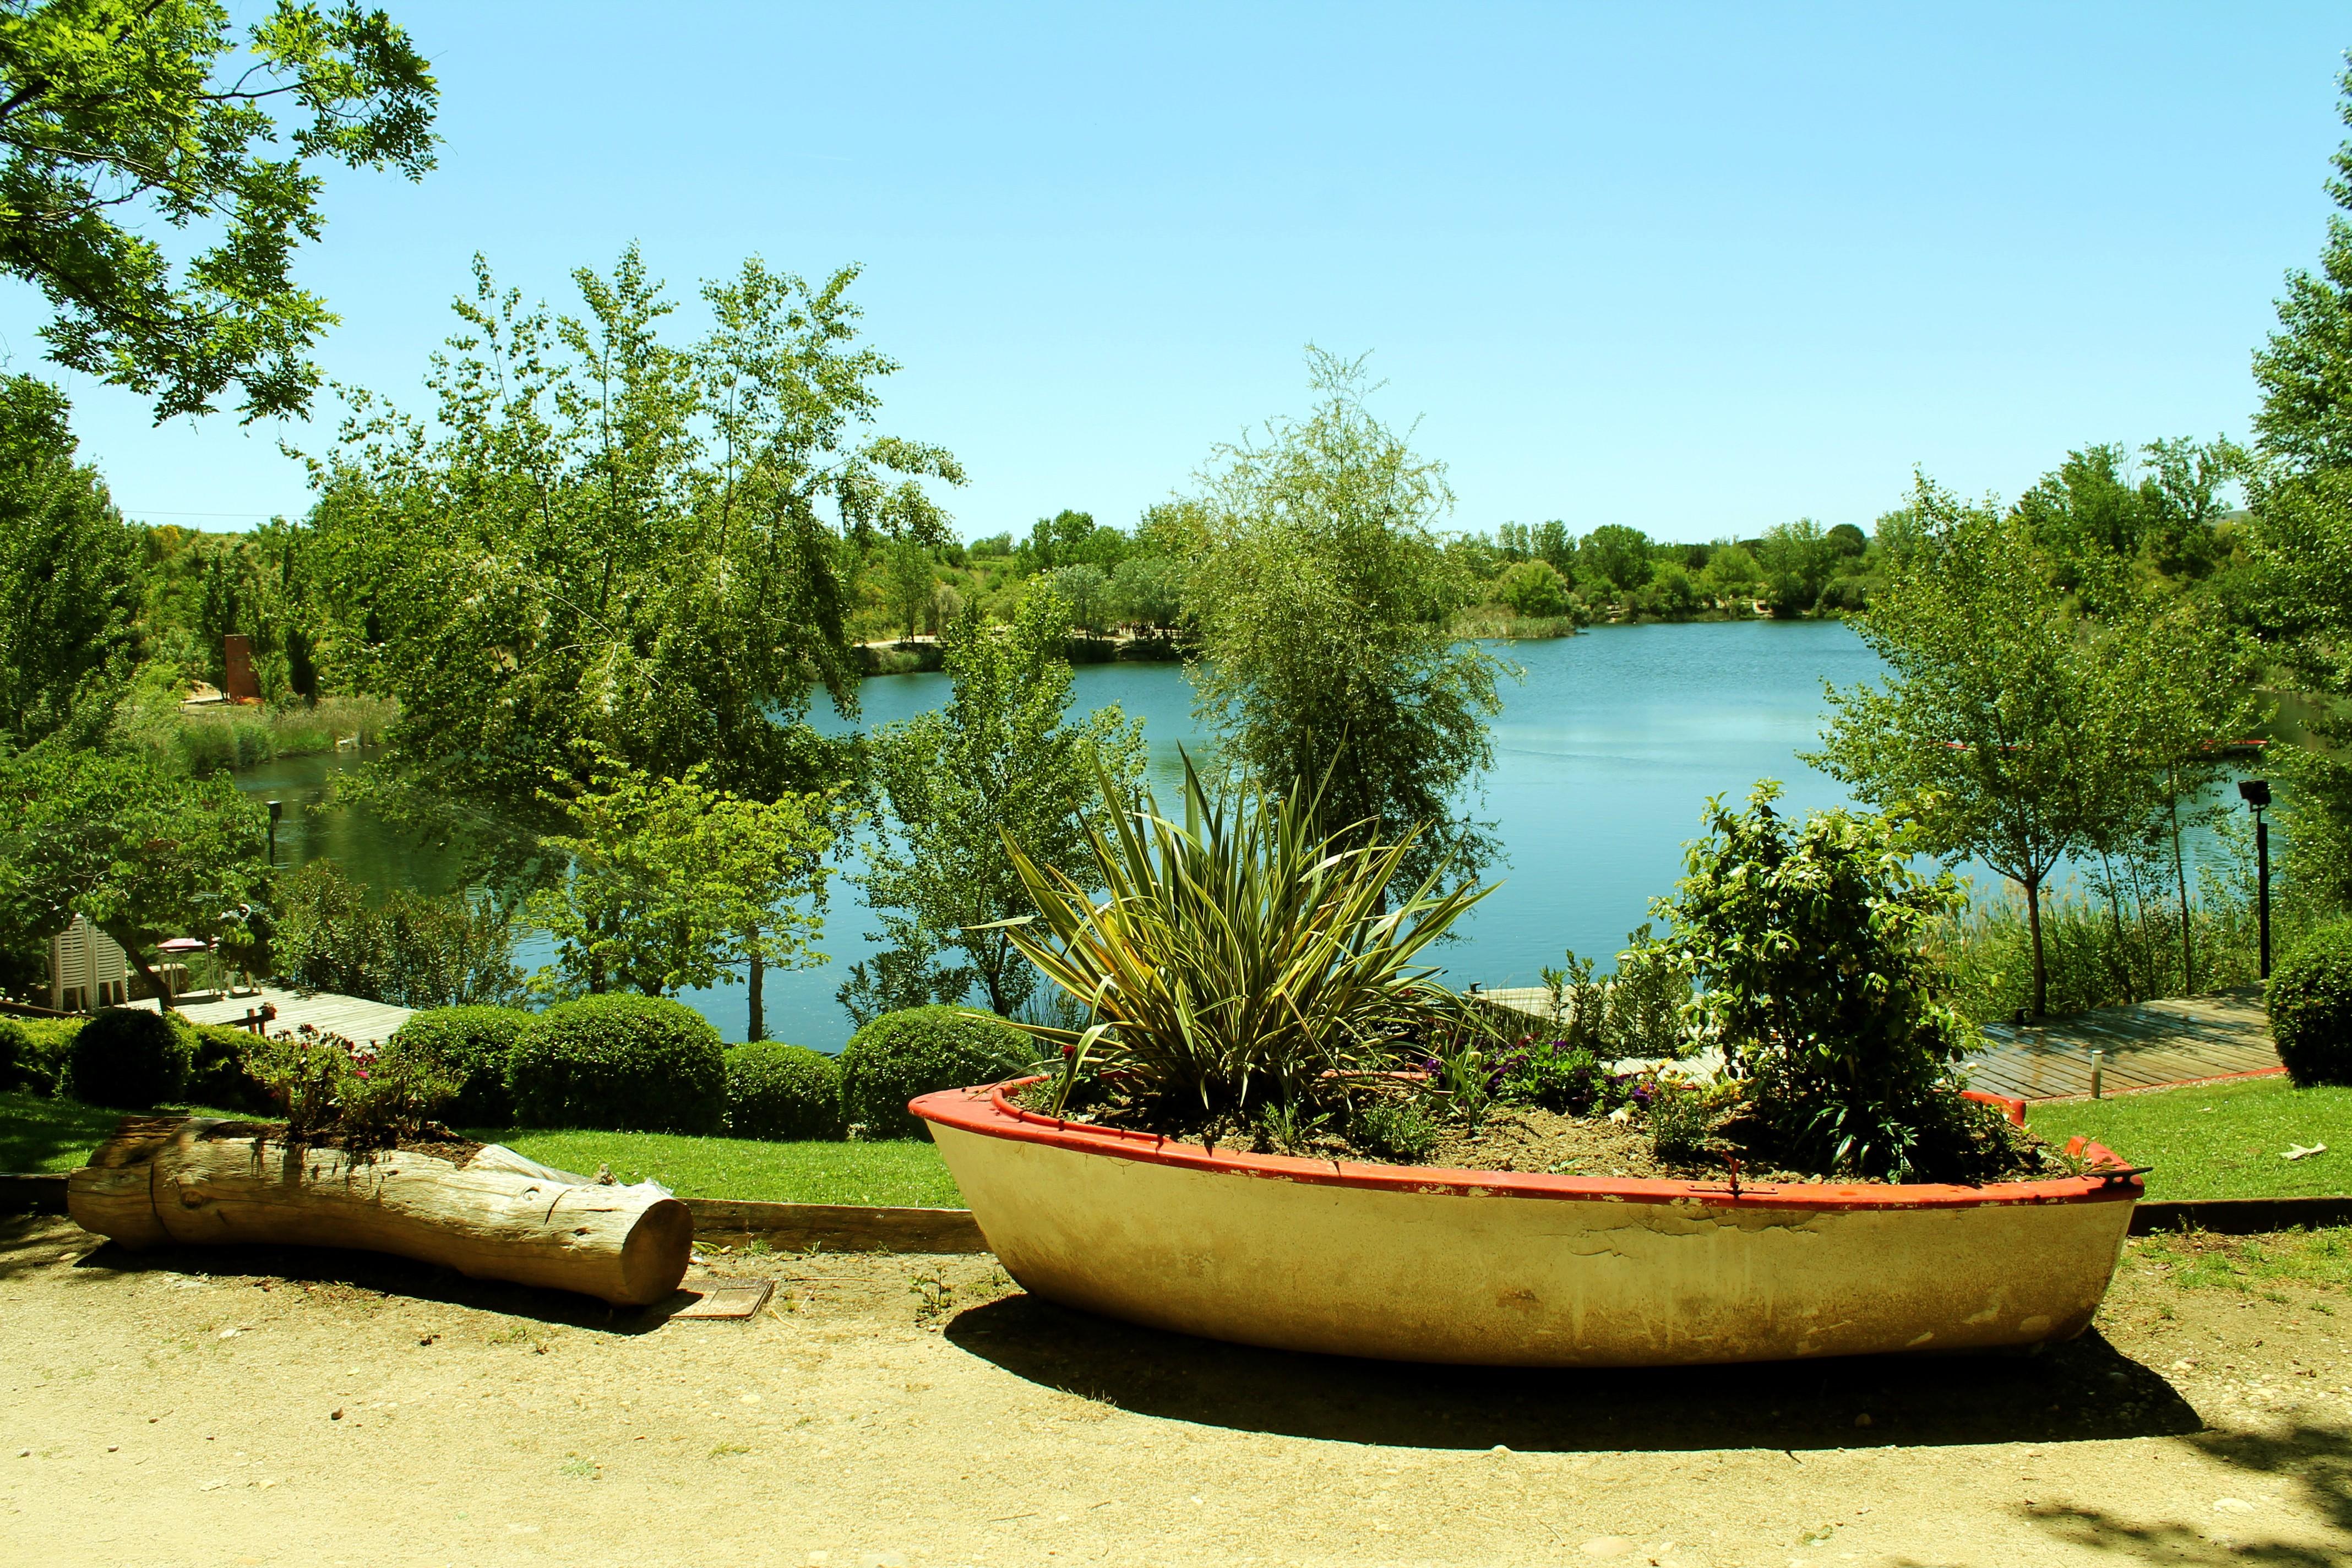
(1533,588)
(141,853)
(1672,594)
(673,884)
(69,594)
(1149,591)
(1995,719)
(1001,762)
(1553,543)
(1796,559)
(1323,596)
(113,113)
(1615,554)
(1732,573)
(606,543)
(1084,591)
(908,582)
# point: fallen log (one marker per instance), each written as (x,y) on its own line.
(194,1181)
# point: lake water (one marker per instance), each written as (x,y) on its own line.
(1605,754)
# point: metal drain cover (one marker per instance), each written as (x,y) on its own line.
(726,1297)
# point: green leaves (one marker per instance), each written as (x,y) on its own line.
(140,852)
(1322,597)
(1239,958)
(110,111)
(998,762)
(1809,945)
(672,882)
(608,542)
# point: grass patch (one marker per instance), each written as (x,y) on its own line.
(38,1133)
(2222,1141)
(901,1172)
(2198,1260)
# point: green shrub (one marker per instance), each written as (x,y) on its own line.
(127,1058)
(2310,998)
(901,1054)
(473,1045)
(781,1092)
(1811,941)
(46,1049)
(222,1074)
(623,1063)
(15,1053)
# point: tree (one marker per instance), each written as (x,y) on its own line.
(1533,588)
(140,852)
(1615,554)
(110,113)
(1994,723)
(1796,559)
(1732,574)
(673,884)
(1149,590)
(607,543)
(998,764)
(1085,593)
(1323,596)
(68,574)
(908,582)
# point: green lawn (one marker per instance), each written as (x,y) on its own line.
(38,1133)
(908,1171)
(2222,1141)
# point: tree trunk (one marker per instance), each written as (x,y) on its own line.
(128,941)
(2181,881)
(2116,909)
(193,1181)
(757,1029)
(2034,924)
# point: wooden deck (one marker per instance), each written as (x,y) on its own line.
(349,1016)
(2179,1040)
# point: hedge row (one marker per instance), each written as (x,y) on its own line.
(625,1063)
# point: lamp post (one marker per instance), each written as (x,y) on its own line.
(277,807)
(2256,794)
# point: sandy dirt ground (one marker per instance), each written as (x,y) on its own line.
(249,1408)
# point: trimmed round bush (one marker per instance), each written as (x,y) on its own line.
(127,1058)
(2310,998)
(473,1045)
(623,1064)
(781,1092)
(901,1054)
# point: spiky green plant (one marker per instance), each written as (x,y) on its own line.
(1237,960)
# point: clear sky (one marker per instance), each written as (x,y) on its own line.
(1698,267)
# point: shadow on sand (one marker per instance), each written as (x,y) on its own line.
(30,1242)
(2080,1391)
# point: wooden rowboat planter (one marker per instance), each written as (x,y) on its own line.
(193,1181)
(1483,1267)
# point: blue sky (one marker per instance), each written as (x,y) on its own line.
(1698,268)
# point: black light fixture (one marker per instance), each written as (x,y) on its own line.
(2256,794)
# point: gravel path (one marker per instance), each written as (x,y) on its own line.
(209,1408)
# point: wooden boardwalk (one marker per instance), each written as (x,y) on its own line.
(353,1018)
(2179,1040)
